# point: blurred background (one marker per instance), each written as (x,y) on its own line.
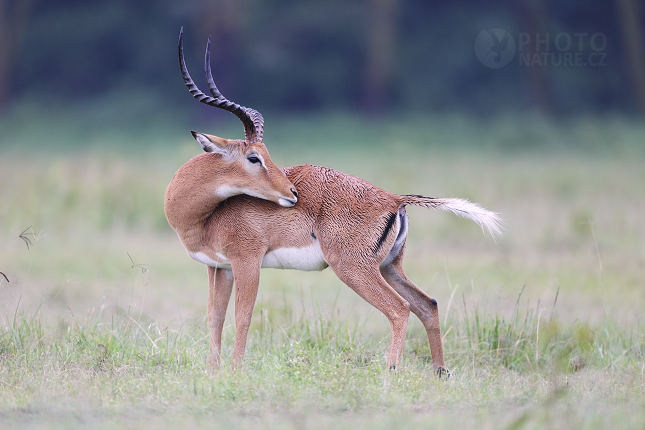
(531,108)
(367,57)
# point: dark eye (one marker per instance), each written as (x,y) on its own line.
(253,159)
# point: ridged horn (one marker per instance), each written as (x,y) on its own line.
(251,119)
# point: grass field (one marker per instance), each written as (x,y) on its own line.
(103,320)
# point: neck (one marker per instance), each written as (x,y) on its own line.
(190,200)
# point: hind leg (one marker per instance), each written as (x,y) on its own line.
(421,304)
(370,285)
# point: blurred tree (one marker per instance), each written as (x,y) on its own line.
(224,22)
(14,16)
(532,18)
(380,53)
(632,27)
(310,55)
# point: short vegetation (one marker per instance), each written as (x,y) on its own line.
(103,316)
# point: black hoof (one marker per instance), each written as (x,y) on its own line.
(441,371)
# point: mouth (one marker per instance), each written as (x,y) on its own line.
(287,203)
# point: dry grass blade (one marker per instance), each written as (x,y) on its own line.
(143,267)
(154,344)
(24,236)
(4,276)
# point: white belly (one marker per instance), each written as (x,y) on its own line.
(309,258)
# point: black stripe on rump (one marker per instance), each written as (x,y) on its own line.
(390,222)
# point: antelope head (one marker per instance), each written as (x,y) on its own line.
(240,166)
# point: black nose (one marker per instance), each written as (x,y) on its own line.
(295,193)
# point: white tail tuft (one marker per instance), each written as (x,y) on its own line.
(473,211)
(463,208)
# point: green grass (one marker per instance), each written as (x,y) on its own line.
(101,371)
(102,324)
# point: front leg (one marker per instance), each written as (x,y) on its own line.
(247,279)
(220,286)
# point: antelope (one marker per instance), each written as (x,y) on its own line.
(236,212)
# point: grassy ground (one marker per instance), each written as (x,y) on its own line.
(102,322)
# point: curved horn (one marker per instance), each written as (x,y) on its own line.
(251,119)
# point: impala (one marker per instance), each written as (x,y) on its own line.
(237,212)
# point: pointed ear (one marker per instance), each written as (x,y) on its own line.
(212,143)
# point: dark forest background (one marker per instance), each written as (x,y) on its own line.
(370,57)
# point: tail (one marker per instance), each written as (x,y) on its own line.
(463,208)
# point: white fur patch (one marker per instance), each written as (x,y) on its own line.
(287,203)
(401,234)
(226,191)
(205,259)
(309,258)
